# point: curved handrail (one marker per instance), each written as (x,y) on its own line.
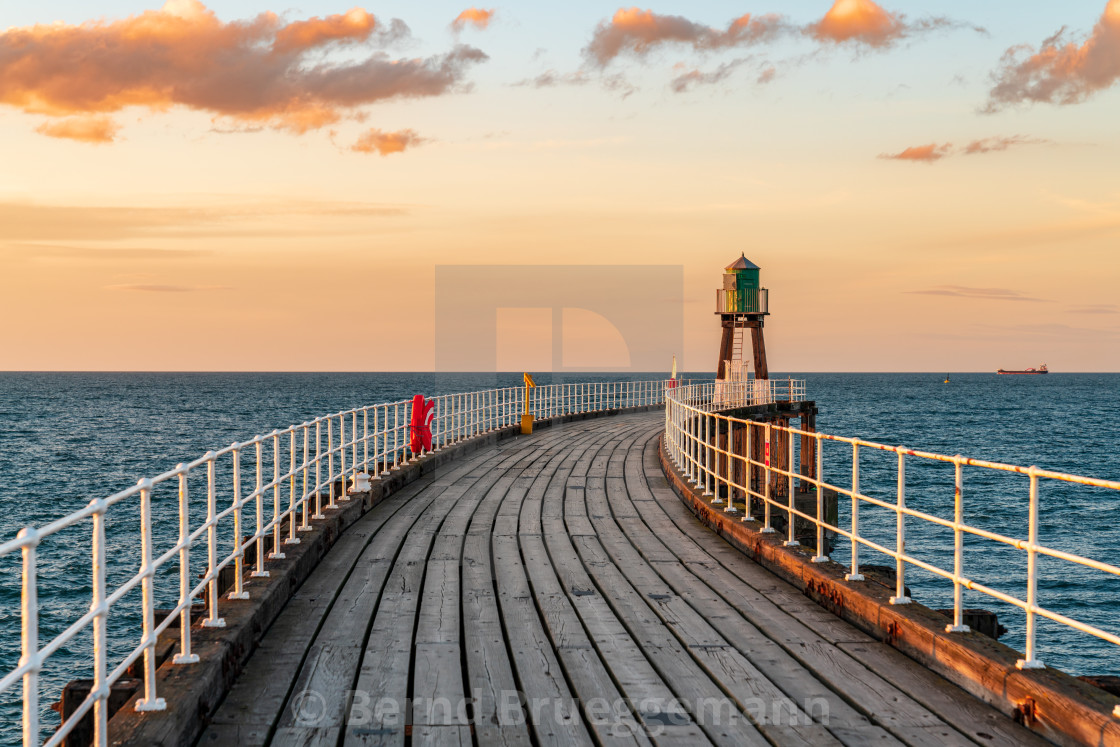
(693,413)
(378,443)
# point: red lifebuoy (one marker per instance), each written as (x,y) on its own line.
(420,427)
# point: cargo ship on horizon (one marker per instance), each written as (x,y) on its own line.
(1029,371)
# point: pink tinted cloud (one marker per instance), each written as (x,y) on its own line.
(636,32)
(86,129)
(386,143)
(1060,71)
(477,17)
(920,153)
(866,22)
(260,71)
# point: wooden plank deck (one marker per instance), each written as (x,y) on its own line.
(553,590)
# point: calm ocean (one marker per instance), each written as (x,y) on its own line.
(66,438)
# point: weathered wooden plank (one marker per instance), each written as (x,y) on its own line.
(556,720)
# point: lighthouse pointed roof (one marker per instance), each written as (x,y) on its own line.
(742,264)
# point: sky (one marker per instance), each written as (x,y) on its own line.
(236,185)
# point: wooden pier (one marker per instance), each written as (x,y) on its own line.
(553,589)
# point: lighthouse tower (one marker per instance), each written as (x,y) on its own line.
(742,304)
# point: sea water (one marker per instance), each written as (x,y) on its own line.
(66,438)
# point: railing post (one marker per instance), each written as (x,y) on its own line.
(276,554)
(820,556)
(292,538)
(100,609)
(259,571)
(729,467)
(1030,661)
(148,615)
(354,442)
(304,526)
(212,620)
(854,574)
(365,439)
(791,503)
(330,462)
(766,528)
(706,456)
(319,467)
(396,434)
(342,494)
(958,625)
(29,636)
(748,477)
(185,656)
(900,596)
(238,541)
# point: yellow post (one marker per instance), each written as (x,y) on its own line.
(526,416)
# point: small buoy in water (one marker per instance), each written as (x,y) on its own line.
(946,378)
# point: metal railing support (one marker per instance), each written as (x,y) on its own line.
(958,625)
(853,574)
(1029,661)
(900,596)
(150,702)
(29,635)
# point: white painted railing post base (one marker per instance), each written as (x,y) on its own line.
(361,483)
(259,574)
(730,509)
(854,577)
(292,541)
(1029,664)
(218,622)
(820,558)
(748,517)
(900,600)
(235,595)
(768,530)
(276,556)
(181,659)
(306,529)
(791,543)
(957,629)
(159,704)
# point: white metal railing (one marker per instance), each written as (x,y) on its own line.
(692,420)
(723,395)
(373,440)
(746,301)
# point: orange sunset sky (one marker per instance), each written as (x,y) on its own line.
(237,185)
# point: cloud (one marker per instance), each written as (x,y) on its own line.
(552,78)
(866,22)
(386,143)
(1098,308)
(476,17)
(260,71)
(988,294)
(920,153)
(72,253)
(989,144)
(1061,71)
(94,129)
(636,32)
(933,152)
(692,78)
(31,222)
(155,288)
